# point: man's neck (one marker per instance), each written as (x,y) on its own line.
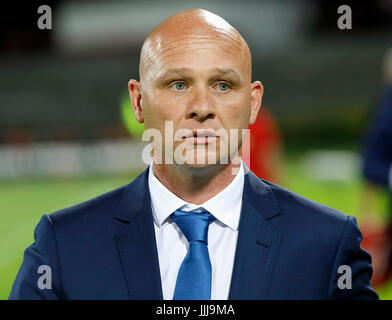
(195,185)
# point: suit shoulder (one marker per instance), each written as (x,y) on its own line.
(105,202)
(97,215)
(302,207)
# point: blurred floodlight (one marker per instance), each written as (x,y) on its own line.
(98,26)
(70,159)
(331,165)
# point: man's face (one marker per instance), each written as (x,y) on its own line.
(200,83)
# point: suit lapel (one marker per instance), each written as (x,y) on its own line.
(136,242)
(258,241)
(257,245)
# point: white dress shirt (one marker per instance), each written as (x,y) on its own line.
(222,233)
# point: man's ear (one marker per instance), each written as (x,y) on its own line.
(256,98)
(136,99)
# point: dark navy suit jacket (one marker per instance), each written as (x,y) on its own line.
(378,145)
(288,247)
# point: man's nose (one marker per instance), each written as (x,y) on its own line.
(201,105)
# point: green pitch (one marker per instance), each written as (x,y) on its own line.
(22,204)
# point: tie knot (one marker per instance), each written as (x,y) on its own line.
(193,225)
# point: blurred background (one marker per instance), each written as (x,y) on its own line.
(67,132)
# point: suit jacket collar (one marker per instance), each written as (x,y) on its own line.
(136,243)
(260,196)
(258,241)
(136,196)
(257,246)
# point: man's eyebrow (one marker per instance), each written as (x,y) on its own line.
(217,72)
(228,73)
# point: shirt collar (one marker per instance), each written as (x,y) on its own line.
(225,206)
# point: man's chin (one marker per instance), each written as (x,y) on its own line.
(199,165)
(203,164)
(201,159)
(201,169)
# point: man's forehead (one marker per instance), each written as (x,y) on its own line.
(193,27)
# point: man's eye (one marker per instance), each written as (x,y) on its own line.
(179,85)
(223,86)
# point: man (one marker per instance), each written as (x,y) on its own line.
(377,167)
(200,229)
(377,173)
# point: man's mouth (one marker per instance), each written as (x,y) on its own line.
(201,137)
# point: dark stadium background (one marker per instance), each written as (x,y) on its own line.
(61,93)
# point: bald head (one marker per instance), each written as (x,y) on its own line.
(190,26)
(195,74)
